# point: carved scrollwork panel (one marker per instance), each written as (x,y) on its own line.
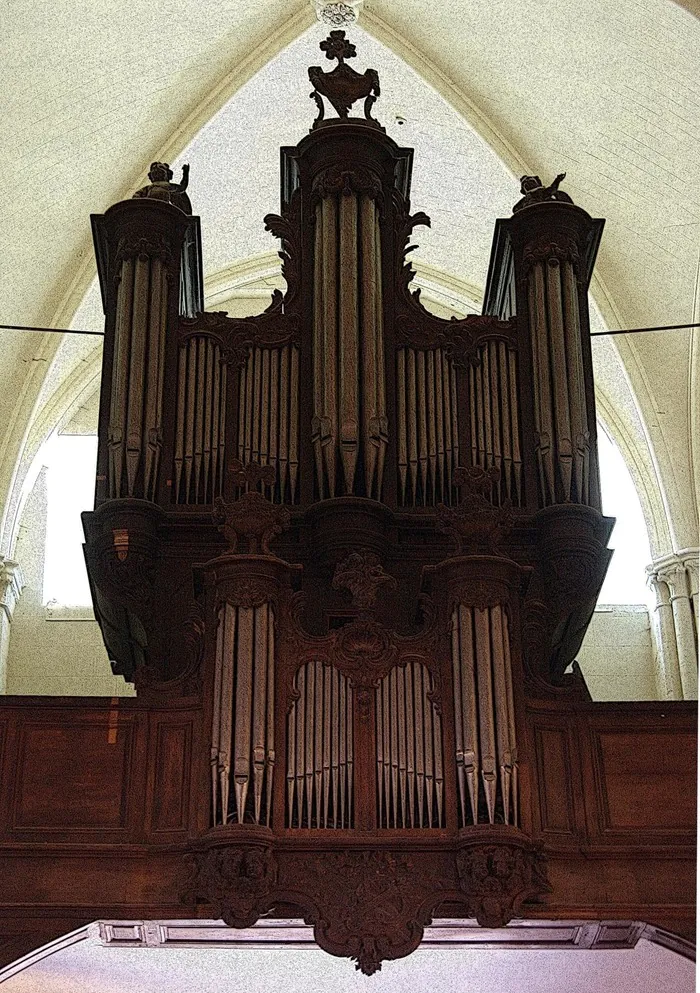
(377,914)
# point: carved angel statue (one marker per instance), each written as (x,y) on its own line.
(161,188)
(534,192)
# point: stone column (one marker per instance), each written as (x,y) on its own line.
(11,585)
(674,580)
(692,566)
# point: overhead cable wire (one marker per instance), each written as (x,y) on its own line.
(596,334)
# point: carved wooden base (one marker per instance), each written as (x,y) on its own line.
(388,893)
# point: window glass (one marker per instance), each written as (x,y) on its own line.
(70,461)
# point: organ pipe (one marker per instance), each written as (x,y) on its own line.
(494,419)
(200,424)
(428,435)
(268,416)
(567,468)
(349,420)
(243,744)
(485,745)
(320,750)
(134,435)
(410,782)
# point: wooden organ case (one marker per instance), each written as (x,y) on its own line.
(364,540)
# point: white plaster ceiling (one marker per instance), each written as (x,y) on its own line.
(606,91)
(86,967)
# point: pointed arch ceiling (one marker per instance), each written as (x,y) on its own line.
(606,91)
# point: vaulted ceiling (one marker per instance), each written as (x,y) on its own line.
(606,91)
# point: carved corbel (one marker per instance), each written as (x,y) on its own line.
(378,913)
(251,521)
(236,879)
(475,526)
(497,878)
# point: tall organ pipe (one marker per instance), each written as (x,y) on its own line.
(243,746)
(134,436)
(566,464)
(349,424)
(320,750)
(486,752)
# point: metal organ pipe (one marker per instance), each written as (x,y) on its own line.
(200,422)
(243,746)
(320,750)
(567,466)
(427,431)
(268,422)
(486,752)
(134,435)
(410,782)
(494,418)
(349,424)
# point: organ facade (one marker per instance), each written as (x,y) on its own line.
(360,542)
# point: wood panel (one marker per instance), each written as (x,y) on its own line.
(554,776)
(646,780)
(169,782)
(73,775)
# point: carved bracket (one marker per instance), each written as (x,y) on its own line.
(368,905)
(475,525)
(497,878)
(236,879)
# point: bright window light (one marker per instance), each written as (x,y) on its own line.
(70,461)
(625,581)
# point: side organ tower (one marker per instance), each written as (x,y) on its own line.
(362,537)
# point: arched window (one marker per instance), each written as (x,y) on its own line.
(625,582)
(70,462)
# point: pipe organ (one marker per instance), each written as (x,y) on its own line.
(359,536)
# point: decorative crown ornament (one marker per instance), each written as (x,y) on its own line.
(342,87)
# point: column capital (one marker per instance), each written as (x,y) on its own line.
(677,570)
(11,585)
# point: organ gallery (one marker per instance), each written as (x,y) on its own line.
(347,551)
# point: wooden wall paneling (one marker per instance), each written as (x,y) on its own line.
(640,778)
(558,805)
(555,808)
(78,772)
(169,789)
(645,781)
(5,773)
